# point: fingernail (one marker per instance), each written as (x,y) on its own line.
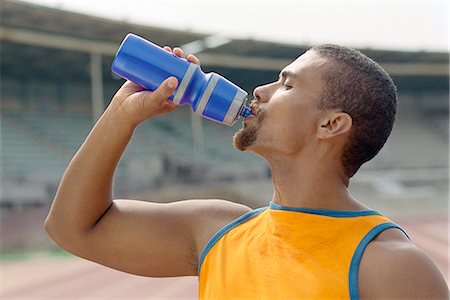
(172,83)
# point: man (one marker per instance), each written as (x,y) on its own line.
(330,111)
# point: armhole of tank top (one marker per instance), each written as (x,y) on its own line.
(219,234)
(356,259)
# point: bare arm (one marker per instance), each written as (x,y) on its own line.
(137,237)
(396,269)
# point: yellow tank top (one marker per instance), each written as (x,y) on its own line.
(280,252)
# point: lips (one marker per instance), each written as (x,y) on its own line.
(254,108)
(256,113)
(253,116)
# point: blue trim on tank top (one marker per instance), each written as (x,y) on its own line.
(357,255)
(219,234)
(325,212)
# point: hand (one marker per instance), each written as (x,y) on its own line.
(180,53)
(136,104)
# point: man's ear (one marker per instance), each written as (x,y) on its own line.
(334,124)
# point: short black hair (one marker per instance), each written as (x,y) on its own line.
(359,86)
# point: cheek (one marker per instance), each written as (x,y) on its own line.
(289,128)
(282,128)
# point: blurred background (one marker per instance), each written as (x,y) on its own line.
(55,59)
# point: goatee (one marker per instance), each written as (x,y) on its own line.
(246,136)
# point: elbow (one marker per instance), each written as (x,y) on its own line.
(53,230)
(49,226)
(58,233)
(65,236)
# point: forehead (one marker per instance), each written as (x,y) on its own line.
(308,67)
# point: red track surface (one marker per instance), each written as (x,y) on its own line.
(71,278)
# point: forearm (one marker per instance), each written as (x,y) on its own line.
(85,191)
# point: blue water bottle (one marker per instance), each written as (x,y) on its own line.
(210,95)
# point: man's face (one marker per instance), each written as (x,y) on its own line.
(286,111)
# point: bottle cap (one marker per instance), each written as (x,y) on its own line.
(245,112)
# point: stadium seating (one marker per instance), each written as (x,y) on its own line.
(36,148)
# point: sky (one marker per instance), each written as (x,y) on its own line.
(395,25)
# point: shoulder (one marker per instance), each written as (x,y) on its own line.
(393,267)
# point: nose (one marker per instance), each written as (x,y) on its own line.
(260,93)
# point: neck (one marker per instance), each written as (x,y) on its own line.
(310,182)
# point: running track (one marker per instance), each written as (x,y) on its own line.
(73,278)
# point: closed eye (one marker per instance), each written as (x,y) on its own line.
(283,83)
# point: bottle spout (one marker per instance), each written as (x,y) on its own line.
(245,112)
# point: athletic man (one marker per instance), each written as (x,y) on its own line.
(330,111)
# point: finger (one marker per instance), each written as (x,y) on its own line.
(131,87)
(167,48)
(178,52)
(166,89)
(193,59)
(170,105)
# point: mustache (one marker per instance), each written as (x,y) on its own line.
(254,106)
(256,109)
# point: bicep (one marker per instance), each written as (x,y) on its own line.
(155,239)
(143,238)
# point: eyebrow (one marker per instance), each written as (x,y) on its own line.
(289,74)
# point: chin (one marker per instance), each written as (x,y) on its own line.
(245,138)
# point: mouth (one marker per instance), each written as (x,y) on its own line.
(251,117)
(248,120)
(254,108)
(255,112)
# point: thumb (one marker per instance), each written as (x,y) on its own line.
(166,89)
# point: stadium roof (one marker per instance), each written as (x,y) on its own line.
(32,32)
